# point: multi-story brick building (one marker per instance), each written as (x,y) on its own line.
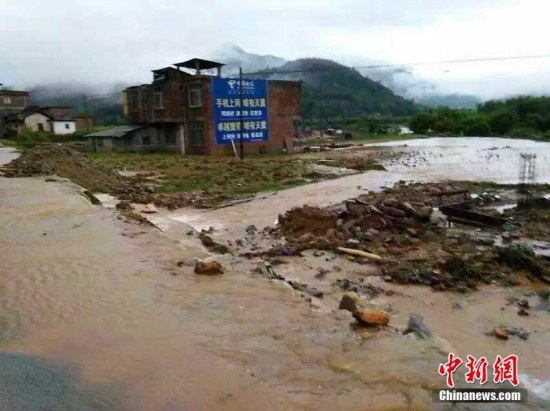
(12,102)
(199,113)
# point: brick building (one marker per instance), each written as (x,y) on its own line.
(183,111)
(12,102)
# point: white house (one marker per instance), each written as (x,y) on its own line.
(56,120)
(38,122)
(63,126)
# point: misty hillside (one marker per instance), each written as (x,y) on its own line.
(103,103)
(331,89)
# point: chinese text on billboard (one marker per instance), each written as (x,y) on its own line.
(227,110)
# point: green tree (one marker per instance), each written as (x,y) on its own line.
(421,123)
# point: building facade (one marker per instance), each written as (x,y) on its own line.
(199,113)
(12,103)
(57,120)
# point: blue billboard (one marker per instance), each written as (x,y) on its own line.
(227,110)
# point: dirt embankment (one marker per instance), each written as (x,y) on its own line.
(63,161)
(403,227)
(56,159)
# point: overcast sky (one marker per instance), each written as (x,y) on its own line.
(98,41)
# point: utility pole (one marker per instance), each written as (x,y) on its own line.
(241,128)
(85,106)
(85,103)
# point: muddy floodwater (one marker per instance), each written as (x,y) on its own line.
(103,314)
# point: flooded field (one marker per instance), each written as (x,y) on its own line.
(103,314)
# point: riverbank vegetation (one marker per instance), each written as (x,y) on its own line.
(519,117)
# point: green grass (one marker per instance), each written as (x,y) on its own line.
(223,178)
(220,176)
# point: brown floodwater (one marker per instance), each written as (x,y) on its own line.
(104,309)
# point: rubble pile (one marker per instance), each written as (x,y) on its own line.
(363,223)
(399,230)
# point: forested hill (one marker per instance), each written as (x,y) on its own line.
(331,89)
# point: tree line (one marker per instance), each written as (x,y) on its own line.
(525,116)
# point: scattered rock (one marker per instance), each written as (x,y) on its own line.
(424,213)
(212,245)
(322,273)
(149,209)
(519,332)
(208,268)
(459,305)
(347,303)
(251,229)
(522,312)
(353,243)
(501,332)
(524,304)
(416,325)
(93,199)
(372,317)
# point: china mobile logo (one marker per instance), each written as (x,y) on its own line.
(504,369)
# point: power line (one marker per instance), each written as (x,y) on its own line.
(421,63)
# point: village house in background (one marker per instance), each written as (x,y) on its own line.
(16,115)
(57,120)
(191,109)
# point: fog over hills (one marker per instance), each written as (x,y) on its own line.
(395,82)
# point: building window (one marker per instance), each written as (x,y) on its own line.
(159,99)
(195,95)
(7,100)
(170,139)
(146,141)
(197,133)
(40,127)
(67,126)
(134,96)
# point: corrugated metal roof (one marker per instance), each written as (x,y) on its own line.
(115,132)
